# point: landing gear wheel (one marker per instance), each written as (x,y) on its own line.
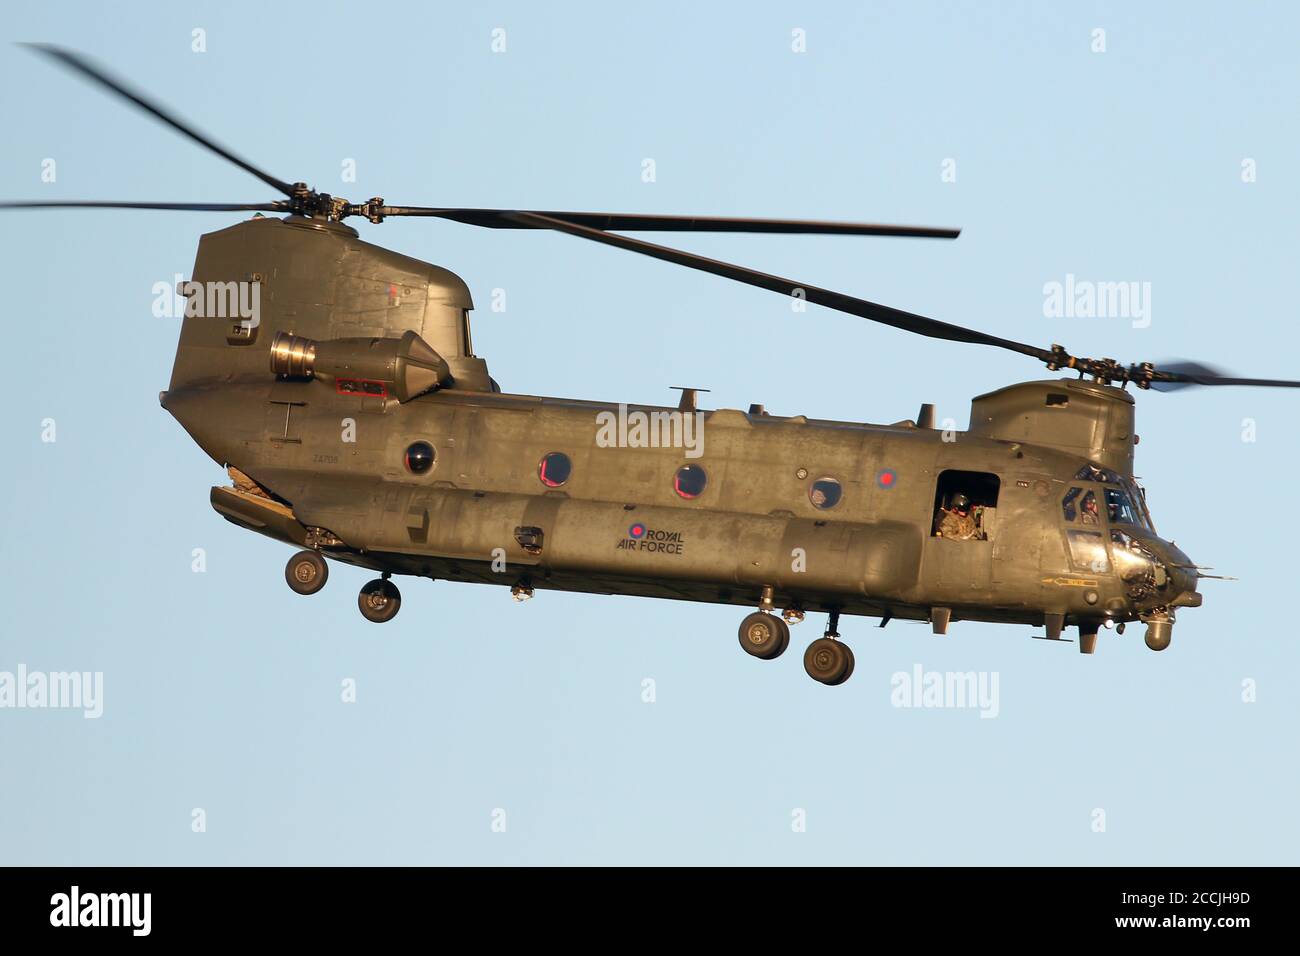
(828,661)
(379,601)
(848,672)
(306,572)
(764,636)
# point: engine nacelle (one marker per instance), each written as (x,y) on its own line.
(401,367)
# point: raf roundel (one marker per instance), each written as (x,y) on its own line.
(637,530)
(887,478)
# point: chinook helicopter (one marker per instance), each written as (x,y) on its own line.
(357,424)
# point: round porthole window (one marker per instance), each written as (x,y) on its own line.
(554,469)
(825,493)
(690,480)
(419,457)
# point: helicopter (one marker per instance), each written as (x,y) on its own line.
(336,382)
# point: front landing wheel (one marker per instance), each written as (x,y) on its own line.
(379,601)
(828,661)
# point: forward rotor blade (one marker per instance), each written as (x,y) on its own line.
(83,66)
(907,321)
(190,206)
(1179,375)
(633,222)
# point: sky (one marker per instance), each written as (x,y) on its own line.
(611,730)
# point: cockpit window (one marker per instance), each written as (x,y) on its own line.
(1124,505)
(1119,508)
(1139,499)
(1088,551)
(1088,513)
(1069,504)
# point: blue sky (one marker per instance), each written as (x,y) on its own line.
(222,689)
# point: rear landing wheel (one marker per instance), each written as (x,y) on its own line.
(828,661)
(306,572)
(379,601)
(764,636)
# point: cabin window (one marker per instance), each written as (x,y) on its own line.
(689,481)
(1088,551)
(825,493)
(419,457)
(965,505)
(554,469)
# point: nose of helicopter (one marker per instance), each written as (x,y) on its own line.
(1184,588)
(1180,576)
(1175,586)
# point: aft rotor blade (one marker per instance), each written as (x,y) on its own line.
(635,222)
(907,321)
(80,64)
(185,206)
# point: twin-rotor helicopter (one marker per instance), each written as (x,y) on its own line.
(1032,516)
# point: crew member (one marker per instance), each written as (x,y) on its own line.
(955,520)
(1089,511)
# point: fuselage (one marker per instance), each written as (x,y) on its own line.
(619,523)
(730,507)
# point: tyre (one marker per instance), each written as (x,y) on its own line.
(306,572)
(764,636)
(828,661)
(379,601)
